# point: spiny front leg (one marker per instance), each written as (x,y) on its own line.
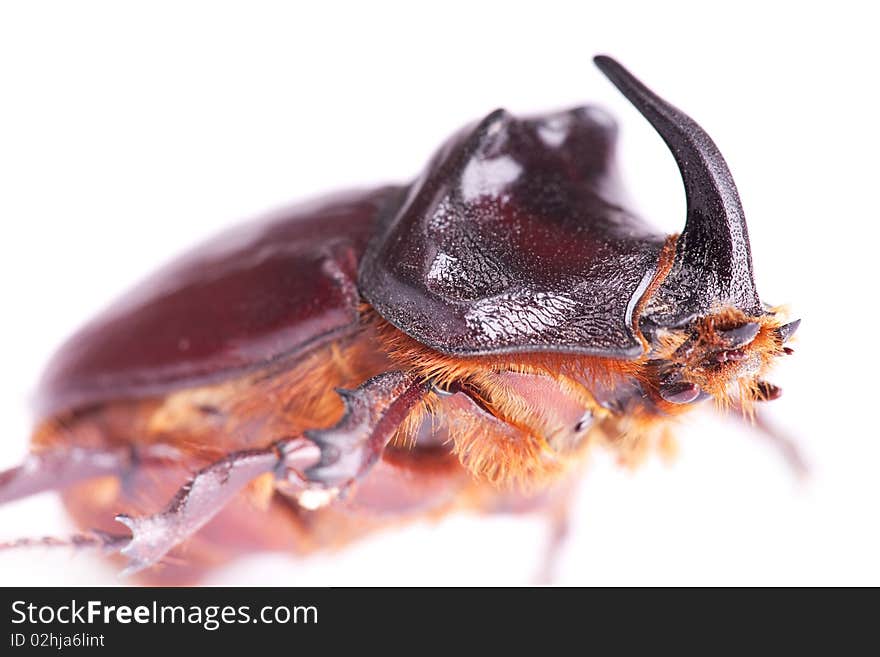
(316,466)
(204,496)
(373,413)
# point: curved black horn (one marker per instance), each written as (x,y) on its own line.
(713,264)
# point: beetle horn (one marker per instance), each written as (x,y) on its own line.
(713,262)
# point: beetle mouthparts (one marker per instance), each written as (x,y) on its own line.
(739,336)
(713,262)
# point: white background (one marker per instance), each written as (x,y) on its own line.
(128,134)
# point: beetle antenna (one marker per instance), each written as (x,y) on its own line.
(713,259)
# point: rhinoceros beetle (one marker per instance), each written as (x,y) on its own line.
(457,342)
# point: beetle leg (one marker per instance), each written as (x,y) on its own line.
(373,413)
(317,465)
(559,527)
(203,496)
(60,468)
(786,445)
(199,500)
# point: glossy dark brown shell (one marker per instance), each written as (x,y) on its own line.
(516,239)
(259,292)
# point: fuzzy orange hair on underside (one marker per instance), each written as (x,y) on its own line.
(528,457)
(511,445)
(444,369)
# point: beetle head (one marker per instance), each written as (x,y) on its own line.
(705,314)
(724,355)
(516,240)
